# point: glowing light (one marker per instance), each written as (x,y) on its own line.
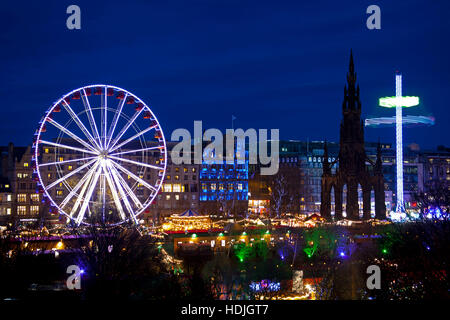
(194,236)
(393,102)
(384,251)
(408,121)
(342,254)
(59,245)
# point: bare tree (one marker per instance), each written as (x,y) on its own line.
(285,190)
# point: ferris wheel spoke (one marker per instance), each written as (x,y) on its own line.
(124,196)
(104,115)
(136,163)
(137,135)
(124,129)
(65,161)
(127,187)
(135,177)
(113,189)
(65,146)
(77,186)
(71,134)
(87,107)
(80,197)
(103,189)
(137,150)
(80,124)
(88,196)
(115,120)
(70,174)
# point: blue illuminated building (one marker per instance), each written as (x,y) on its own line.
(222,181)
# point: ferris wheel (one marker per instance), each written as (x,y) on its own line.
(99,154)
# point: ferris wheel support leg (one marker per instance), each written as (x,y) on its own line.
(83,191)
(77,186)
(114,193)
(124,198)
(88,197)
(127,188)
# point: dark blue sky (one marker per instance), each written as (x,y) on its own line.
(273,64)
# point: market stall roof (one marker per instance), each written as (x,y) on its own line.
(314,217)
(188,213)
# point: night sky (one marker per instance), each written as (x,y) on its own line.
(272,64)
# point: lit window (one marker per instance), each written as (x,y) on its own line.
(69,168)
(177,187)
(239,186)
(193,169)
(34,210)
(19,175)
(167,187)
(22,197)
(185,169)
(25,164)
(21,210)
(46,150)
(59,193)
(177,197)
(60,159)
(34,197)
(8,211)
(8,197)
(168,197)
(213,186)
(177,177)
(49,175)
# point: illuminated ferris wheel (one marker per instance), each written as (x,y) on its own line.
(99,155)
